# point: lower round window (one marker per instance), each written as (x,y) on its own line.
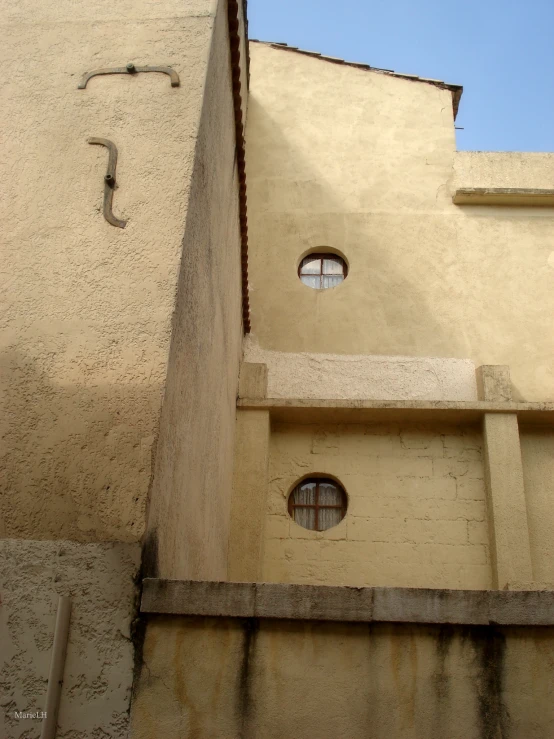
(317,503)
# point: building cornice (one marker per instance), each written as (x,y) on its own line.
(312,410)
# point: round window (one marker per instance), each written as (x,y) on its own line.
(317,504)
(322,271)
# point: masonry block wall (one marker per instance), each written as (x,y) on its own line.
(416,507)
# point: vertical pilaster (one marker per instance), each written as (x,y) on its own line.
(248,507)
(507,510)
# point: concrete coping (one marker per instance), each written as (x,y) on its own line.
(503,196)
(305,410)
(347,604)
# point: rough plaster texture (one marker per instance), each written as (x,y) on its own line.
(190,504)
(100,578)
(334,376)
(537,452)
(364,163)
(224,679)
(416,507)
(86,308)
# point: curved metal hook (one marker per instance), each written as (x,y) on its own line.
(109,181)
(130,69)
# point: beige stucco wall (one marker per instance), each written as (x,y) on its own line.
(86,308)
(225,679)
(96,692)
(416,507)
(537,452)
(189,518)
(365,163)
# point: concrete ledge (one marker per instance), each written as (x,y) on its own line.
(305,410)
(503,196)
(347,604)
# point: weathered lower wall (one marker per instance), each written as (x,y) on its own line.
(537,453)
(225,679)
(333,376)
(85,322)
(96,692)
(188,526)
(416,507)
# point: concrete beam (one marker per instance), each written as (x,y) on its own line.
(347,604)
(460,412)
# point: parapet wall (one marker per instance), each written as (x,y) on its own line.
(503,169)
(310,375)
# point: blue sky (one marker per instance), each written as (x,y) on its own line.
(501,52)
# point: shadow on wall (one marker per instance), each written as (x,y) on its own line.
(385,306)
(76,459)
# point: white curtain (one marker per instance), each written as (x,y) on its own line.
(331,280)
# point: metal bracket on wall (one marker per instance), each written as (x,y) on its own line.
(130,69)
(109,181)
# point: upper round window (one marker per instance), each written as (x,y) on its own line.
(321,271)
(317,504)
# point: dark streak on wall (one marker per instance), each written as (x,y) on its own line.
(138,635)
(149,566)
(441,678)
(489,645)
(245,683)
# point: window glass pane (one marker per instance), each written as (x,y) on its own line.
(304,517)
(304,493)
(311,280)
(333,266)
(310,266)
(328,494)
(306,507)
(328,517)
(332,281)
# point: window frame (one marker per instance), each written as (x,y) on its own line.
(317,506)
(322,256)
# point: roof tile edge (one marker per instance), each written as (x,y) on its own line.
(456,90)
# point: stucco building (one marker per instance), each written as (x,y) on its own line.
(278,396)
